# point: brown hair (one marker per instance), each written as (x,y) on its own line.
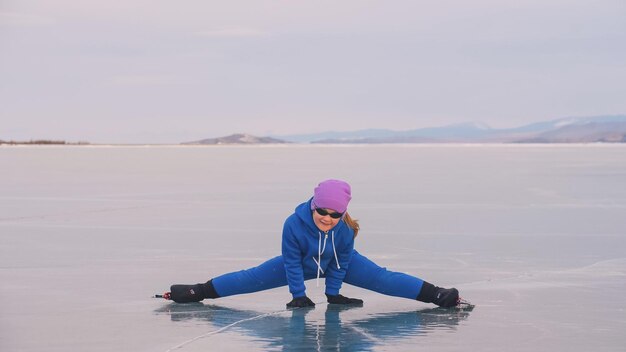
(352,223)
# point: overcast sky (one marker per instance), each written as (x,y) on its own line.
(156,71)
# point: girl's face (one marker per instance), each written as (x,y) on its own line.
(325,222)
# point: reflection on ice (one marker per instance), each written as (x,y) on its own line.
(287,329)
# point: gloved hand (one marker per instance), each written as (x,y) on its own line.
(339,299)
(443,297)
(300,302)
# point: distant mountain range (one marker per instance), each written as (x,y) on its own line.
(608,129)
(239,138)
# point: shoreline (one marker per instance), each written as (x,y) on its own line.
(309,145)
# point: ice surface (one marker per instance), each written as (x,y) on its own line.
(532,234)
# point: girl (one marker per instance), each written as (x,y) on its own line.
(318,241)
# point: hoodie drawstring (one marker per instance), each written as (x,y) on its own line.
(320,250)
(334,250)
(318,261)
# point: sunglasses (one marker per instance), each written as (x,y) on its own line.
(324,212)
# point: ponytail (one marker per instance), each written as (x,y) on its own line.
(352,223)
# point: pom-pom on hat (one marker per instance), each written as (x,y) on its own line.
(332,194)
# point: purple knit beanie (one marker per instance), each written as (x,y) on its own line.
(332,194)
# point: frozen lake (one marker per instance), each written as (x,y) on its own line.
(534,235)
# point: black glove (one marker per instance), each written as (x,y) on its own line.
(443,297)
(300,302)
(339,299)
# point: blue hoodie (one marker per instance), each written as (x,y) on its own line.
(308,252)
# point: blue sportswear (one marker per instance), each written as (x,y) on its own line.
(302,245)
(310,252)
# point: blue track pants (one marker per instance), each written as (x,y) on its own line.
(362,272)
